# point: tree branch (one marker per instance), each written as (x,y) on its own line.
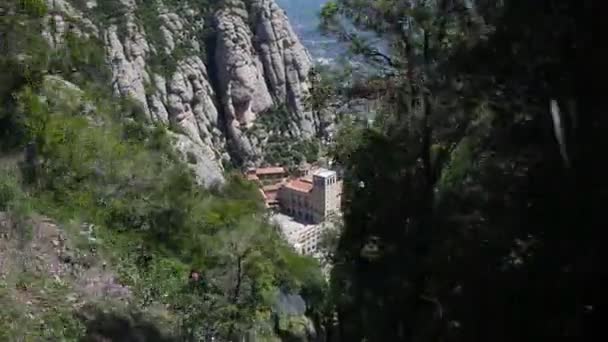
(436,302)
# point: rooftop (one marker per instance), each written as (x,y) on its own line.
(307,179)
(270,170)
(299,185)
(321,172)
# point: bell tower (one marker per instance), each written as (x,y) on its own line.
(324,193)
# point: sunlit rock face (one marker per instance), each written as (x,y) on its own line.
(261,64)
(257,61)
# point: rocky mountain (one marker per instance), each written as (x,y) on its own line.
(105,235)
(207,69)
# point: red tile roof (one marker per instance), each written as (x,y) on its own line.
(270,170)
(307,179)
(299,185)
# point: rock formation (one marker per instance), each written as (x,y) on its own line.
(256,74)
(162,54)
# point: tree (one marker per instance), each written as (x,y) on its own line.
(450,205)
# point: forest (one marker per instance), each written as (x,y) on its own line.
(472,208)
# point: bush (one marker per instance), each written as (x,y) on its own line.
(36,8)
(9,188)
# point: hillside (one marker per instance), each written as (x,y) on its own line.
(208,69)
(119,217)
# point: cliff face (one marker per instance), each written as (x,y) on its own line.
(208,70)
(256,74)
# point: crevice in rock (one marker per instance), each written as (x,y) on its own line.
(210,42)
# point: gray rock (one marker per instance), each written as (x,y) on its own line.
(290,304)
(127,58)
(206,168)
(64,18)
(260,69)
(259,63)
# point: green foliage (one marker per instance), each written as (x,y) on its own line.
(276,119)
(108,12)
(91,158)
(80,60)
(325,86)
(147,15)
(156,223)
(10,188)
(23,60)
(281,148)
(461,160)
(35,8)
(15,203)
(329,13)
(347,140)
(449,198)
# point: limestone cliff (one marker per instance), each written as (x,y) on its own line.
(257,74)
(208,69)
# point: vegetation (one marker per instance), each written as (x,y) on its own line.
(469,214)
(281,148)
(88,158)
(148,13)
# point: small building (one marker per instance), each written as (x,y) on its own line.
(266,175)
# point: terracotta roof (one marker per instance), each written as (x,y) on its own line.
(252,177)
(270,170)
(307,179)
(299,185)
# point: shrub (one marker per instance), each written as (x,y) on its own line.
(9,188)
(36,8)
